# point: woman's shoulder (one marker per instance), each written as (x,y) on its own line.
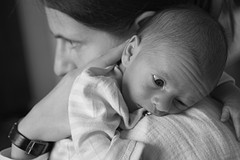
(189,134)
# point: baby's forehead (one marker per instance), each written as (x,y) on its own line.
(168,54)
(173,61)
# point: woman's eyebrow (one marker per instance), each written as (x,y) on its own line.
(62,37)
(57,36)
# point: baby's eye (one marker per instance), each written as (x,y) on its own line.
(158,81)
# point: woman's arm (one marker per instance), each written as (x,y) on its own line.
(48,119)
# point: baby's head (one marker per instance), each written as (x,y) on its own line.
(174,61)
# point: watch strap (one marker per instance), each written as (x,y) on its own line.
(31,147)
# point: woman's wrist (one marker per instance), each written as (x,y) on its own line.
(27,147)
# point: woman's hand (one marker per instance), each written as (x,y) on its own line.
(228,93)
(231,107)
(48,119)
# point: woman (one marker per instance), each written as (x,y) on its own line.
(84,31)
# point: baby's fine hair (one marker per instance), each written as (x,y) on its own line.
(189,30)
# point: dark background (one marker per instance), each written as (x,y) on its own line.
(14,86)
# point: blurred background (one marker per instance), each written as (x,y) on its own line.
(27,55)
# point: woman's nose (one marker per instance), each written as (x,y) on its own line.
(63,62)
(162,102)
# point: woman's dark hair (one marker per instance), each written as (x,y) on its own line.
(114,16)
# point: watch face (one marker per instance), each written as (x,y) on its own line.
(31,147)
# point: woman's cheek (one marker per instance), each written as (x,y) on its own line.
(84,55)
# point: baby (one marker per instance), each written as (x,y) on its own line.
(175,61)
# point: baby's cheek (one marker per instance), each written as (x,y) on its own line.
(143,98)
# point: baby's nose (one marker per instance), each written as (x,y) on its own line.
(162,103)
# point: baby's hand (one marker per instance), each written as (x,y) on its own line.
(231,110)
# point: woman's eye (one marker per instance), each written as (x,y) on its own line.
(73,44)
(158,81)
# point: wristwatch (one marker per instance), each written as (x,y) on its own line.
(31,147)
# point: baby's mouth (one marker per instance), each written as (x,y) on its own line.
(154,111)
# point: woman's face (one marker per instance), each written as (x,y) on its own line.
(76,44)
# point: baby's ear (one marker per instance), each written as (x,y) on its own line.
(131,50)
